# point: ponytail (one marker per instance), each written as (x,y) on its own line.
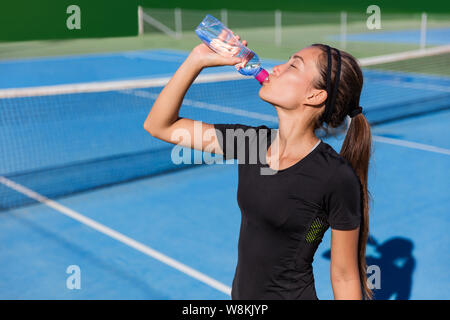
(357,150)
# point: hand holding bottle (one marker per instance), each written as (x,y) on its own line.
(225,43)
(207,57)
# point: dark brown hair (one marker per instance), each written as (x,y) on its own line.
(357,144)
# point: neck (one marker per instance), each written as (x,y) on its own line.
(295,133)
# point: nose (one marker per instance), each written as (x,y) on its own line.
(276,70)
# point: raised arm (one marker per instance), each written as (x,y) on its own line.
(163,121)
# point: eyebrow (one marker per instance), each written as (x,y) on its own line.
(298,57)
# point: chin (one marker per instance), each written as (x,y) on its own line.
(263,95)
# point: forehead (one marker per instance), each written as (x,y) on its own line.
(308,53)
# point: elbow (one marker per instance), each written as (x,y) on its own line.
(344,275)
(149,128)
(156,132)
(346,286)
(345,278)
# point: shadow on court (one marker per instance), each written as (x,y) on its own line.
(396,264)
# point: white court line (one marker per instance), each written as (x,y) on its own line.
(255,115)
(154,56)
(118,236)
(417,85)
(410,144)
(102,86)
(208,106)
(401,55)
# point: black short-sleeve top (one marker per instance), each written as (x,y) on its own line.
(285,213)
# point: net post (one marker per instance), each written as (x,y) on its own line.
(224,17)
(178,27)
(277,27)
(423,31)
(343,30)
(140,21)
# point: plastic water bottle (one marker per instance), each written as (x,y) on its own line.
(222,40)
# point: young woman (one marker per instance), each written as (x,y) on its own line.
(308,187)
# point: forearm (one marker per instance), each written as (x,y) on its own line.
(347,288)
(165,110)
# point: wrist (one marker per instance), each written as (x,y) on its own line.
(195,62)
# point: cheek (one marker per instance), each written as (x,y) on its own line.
(292,83)
(280,96)
(299,86)
(288,91)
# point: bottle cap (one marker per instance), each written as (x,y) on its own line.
(262,75)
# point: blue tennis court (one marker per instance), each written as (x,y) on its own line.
(83,184)
(15,73)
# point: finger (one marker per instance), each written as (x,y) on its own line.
(219,43)
(237,60)
(243,63)
(229,60)
(235,51)
(222,35)
(244,42)
(223,48)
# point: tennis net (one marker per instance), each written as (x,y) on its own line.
(66,139)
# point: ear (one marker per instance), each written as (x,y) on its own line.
(316,97)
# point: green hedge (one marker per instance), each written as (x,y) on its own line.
(46,19)
(388,6)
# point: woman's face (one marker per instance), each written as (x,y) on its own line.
(290,83)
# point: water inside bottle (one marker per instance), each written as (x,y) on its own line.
(252,66)
(222,40)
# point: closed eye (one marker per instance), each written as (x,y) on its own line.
(293,66)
